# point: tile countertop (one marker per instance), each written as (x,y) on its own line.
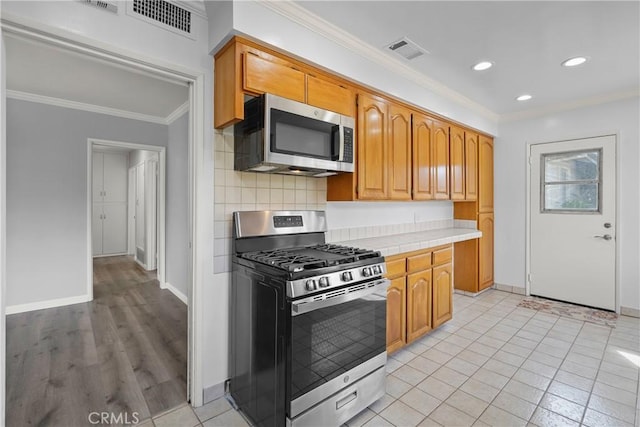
(407,242)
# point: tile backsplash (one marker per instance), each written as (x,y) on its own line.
(250,191)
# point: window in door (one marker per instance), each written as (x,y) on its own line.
(571,182)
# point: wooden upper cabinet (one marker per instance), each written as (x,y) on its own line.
(228,102)
(470,166)
(424,166)
(442,294)
(441,158)
(485,251)
(419,294)
(396,314)
(372,147)
(330,96)
(262,75)
(457,162)
(485,174)
(399,162)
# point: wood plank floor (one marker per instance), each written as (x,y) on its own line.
(124,353)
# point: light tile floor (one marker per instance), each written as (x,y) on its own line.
(496,364)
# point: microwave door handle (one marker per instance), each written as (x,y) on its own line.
(339,141)
(301,307)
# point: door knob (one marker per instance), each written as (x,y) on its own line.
(607,225)
(605,237)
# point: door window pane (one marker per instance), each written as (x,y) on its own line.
(571,182)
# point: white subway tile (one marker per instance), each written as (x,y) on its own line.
(218,160)
(321,196)
(289,196)
(321,184)
(275,206)
(263,195)
(301,182)
(218,212)
(229,143)
(263,180)
(288,181)
(263,206)
(312,183)
(219,178)
(228,161)
(219,194)
(289,206)
(218,143)
(218,229)
(248,195)
(276,195)
(248,179)
(276,181)
(233,195)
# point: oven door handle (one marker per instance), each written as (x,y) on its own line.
(309,304)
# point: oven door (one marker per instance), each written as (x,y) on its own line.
(337,338)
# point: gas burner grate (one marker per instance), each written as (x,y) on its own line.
(311,257)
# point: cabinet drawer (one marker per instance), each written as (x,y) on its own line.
(442,256)
(396,267)
(419,262)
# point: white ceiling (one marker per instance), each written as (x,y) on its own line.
(38,69)
(527,41)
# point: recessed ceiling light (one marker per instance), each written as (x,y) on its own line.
(572,62)
(524,97)
(482,65)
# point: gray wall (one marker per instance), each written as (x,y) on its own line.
(47,195)
(177,203)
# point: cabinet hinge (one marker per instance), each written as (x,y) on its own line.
(357,99)
(356,191)
(529,278)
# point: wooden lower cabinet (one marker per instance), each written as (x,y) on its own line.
(485,254)
(420,295)
(442,295)
(419,301)
(396,314)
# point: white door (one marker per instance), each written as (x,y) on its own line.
(114,226)
(96,229)
(115,177)
(98,176)
(140,212)
(131,212)
(573,229)
(150,204)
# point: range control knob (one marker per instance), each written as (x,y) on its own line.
(366,272)
(323,282)
(346,276)
(377,269)
(310,285)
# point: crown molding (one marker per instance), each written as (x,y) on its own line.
(65,103)
(177,113)
(326,29)
(570,105)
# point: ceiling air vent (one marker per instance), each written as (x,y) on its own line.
(104,5)
(406,48)
(162,13)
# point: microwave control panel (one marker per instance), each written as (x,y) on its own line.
(348,145)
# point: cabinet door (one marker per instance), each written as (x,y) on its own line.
(485,174)
(470,166)
(418,304)
(485,252)
(330,96)
(96,229)
(457,163)
(261,75)
(441,160)
(399,153)
(423,164)
(396,314)
(97,174)
(442,294)
(372,147)
(114,232)
(115,177)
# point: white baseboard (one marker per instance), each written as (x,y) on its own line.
(628,311)
(182,297)
(212,393)
(40,305)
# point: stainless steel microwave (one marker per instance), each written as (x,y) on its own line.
(279,135)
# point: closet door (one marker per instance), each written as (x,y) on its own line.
(98,176)
(96,229)
(115,177)
(114,232)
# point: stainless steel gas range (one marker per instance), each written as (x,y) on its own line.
(308,322)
